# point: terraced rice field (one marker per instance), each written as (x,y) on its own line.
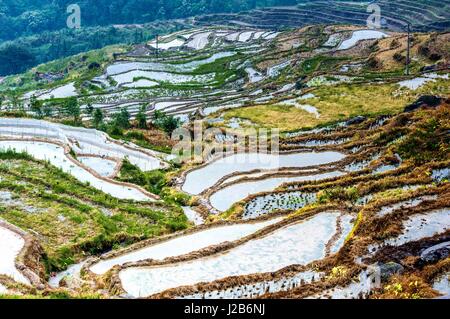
(421,226)
(267,254)
(226,197)
(200,179)
(11,244)
(357,182)
(359,36)
(56,156)
(184,244)
(82,141)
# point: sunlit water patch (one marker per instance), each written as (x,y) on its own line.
(104,167)
(10,246)
(64,91)
(300,243)
(3,289)
(442,284)
(70,275)
(226,197)
(184,244)
(439,175)
(346,226)
(192,215)
(199,180)
(359,36)
(199,41)
(386,210)
(422,226)
(174,78)
(415,83)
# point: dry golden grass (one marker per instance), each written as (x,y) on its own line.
(406,287)
(386,55)
(336,103)
(274,116)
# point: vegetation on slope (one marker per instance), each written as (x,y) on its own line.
(335,103)
(72,219)
(28,25)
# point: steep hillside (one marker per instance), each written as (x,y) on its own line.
(349,199)
(422,15)
(28,27)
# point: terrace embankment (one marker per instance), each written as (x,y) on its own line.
(26,254)
(231,247)
(360,181)
(389,191)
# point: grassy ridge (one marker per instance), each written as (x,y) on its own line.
(72,219)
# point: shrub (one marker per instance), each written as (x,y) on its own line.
(141,118)
(152,181)
(72,108)
(165,122)
(97,118)
(399,57)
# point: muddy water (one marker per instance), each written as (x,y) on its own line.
(299,243)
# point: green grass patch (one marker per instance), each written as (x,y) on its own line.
(72,219)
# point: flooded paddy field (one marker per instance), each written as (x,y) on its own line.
(278,247)
(213,172)
(184,244)
(98,202)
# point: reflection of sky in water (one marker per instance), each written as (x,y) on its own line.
(300,243)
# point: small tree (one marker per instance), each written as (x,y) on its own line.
(36,106)
(141,118)
(158,115)
(72,108)
(89,109)
(165,122)
(170,124)
(124,118)
(97,118)
(16,102)
(113,127)
(47,110)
